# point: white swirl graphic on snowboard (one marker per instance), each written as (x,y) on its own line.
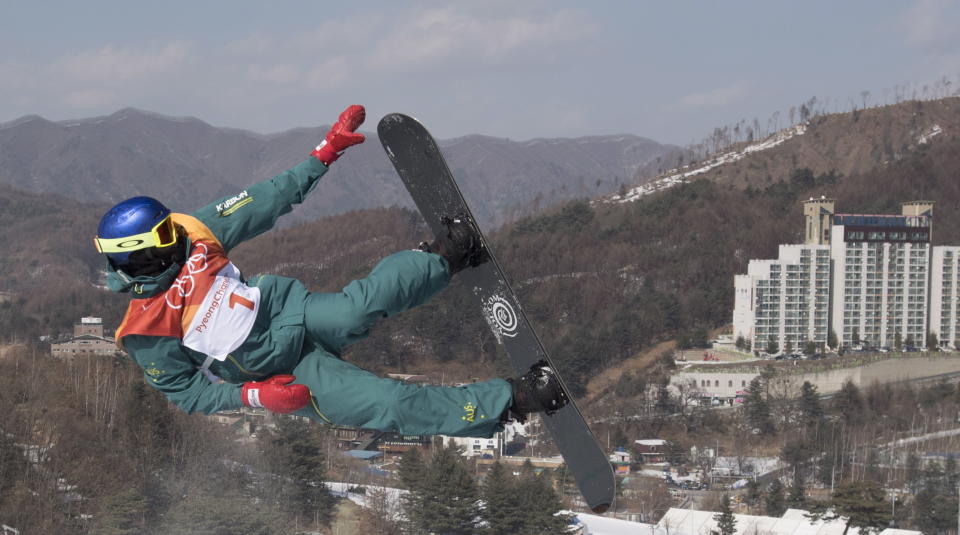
(501,316)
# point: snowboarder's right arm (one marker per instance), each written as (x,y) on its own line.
(254,210)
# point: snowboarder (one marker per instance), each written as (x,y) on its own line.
(211,340)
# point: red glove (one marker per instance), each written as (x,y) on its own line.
(341,135)
(276,394)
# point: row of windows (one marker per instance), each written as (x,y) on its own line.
(706,383)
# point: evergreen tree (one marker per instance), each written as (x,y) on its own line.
(413,474)
(450,496)
(757,411)
(872,469)
(539,503)
(122,513)
(862,504)
(412,470)
(910,341)
(796,498)
(726,522)
(502,506)
(619,438)
(933,477)
(849,402)
(935,511)
(811,409)
(293,451)
(951,477)
(912,476)
(825,468)
(772,347)
(832,341)
(774,503)
(932,341)
(754,493)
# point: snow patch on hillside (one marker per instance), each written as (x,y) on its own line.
(928,134)
(680,176)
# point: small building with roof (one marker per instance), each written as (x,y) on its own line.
(88,338)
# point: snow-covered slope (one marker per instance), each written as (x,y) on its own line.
(679,176)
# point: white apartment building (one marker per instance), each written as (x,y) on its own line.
(873,280)
(784,300)
(945,294)
(881,275)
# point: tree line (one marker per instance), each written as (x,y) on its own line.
(849,445)
(87,447)
(444,497)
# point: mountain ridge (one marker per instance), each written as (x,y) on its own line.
(184,160)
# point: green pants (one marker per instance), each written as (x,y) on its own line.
(344,394)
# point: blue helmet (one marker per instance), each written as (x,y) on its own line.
(134,224)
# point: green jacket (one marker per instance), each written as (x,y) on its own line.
(276,340)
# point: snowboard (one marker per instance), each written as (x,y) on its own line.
(424,172)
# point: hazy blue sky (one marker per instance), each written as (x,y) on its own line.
(668,70)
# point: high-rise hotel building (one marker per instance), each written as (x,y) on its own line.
(872,280)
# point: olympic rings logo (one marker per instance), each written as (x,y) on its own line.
(184,285)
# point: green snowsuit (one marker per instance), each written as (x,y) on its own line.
(303,333)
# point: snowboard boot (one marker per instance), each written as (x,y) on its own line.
(459,246)
(538,390)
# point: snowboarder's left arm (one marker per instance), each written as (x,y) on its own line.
(256,209)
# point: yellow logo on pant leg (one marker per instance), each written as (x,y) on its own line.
(471,412)
(153,371)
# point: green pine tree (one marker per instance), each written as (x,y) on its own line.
(756,409)
(294,453)
(825,468)
(796,497)
(223,515)
(726,522)
(950,474)
(502,507)
(912,477)
(774,502)
(754,492)
(811,409)
(122,512)
(935,511)
(413,474)
(832,339)
(451,496)
(849,402)
(873,471)
(862,504)
(540,504)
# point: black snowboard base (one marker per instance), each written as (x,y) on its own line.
(424,172)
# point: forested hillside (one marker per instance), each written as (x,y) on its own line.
(601,281)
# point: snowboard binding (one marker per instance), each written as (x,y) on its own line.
(538,390)
(460,245)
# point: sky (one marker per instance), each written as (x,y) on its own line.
(671,71)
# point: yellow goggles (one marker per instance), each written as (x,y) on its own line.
(163,234)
